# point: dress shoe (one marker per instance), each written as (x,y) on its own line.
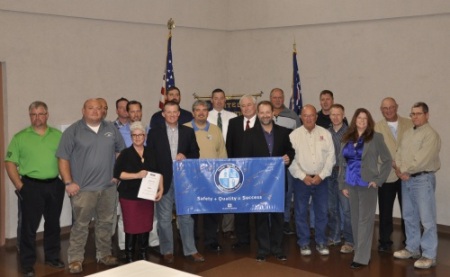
(28,272)
(281,257)
(384,248)
(260,258)
(168,258)
(155,249)
(196,257)
(55,263)
(214,247)
(240,245)
(355,265)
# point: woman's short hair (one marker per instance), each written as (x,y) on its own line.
(137,125)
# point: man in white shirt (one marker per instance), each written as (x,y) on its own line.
(313,163)
(220,117)
(235,149)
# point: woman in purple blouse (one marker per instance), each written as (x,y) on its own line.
(365,163)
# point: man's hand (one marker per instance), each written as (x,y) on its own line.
(308,180)
(180,157)
(316,180)
(286,159)
(72,189)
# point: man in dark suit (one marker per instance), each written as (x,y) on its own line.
(234,145)
(173,141)
(267,139)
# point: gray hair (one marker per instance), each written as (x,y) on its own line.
(248,96)
(200,103)
(137,125)
(37,104)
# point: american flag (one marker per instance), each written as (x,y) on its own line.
(296,102)
(168,77)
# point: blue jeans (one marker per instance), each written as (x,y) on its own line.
(334,217)
(346,219)
(164,209)
(319,194)
(419,207)
(288,197)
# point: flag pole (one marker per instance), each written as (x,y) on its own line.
(170,26)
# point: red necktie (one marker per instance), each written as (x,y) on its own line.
(248,125)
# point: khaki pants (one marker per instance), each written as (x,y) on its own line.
(100,205)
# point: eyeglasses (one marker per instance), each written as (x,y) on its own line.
(137,135)
(37,114)
(415,114)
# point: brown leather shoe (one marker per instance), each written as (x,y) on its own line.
(196,257)
(75,267)
(108,260)
(168,258)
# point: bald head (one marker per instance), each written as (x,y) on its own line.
(389,109)
(92,111)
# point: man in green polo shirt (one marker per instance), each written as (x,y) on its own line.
(32,166)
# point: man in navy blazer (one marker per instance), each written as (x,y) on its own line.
(168,142)
(267,139)
(234,145)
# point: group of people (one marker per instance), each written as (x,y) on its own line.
(335,172)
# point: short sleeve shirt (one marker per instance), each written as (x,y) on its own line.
(91,155)
(35,154)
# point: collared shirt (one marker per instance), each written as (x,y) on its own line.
(209,140)
(287,118)
(314,152)
(337,138)
(251,123)
(91,155)
(392,143)
(118,124)
(419,150)
(35,154)
(172,134)
(269,140)
(225,115)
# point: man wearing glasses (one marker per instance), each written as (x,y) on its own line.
(393,127)
(33,169)
(416,162)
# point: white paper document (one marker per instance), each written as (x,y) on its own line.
(149,186)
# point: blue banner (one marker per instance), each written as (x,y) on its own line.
(248,185)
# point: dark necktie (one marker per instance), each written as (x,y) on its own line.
(219,121)
(247,126)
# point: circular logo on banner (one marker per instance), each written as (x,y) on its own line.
(228,178)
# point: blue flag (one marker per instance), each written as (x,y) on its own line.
(246,185)
(296,102)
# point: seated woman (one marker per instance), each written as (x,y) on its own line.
(131,166)
(365,163)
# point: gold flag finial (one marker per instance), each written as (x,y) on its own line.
(295,46)
(171,24)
